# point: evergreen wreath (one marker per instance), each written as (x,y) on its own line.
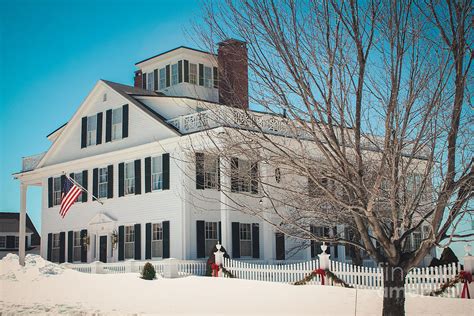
(329,274)
(460,277)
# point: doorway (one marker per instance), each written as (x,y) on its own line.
(103,249)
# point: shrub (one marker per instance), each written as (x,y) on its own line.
(148,272)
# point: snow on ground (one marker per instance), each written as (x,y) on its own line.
(42,287)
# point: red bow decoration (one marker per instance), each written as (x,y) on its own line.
(215,269)
(466,277)
(320,272)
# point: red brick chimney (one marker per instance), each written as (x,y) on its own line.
(138,80)
(233,73)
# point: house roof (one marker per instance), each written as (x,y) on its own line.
(171,50)
(10,223)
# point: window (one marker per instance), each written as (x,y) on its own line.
(3,242)
(55,248)
(156,173)
(207,168)
(129,242)
(208,77)
(76,242)
(193,73)
(57,191)
(210,229)
(129,178)
(162,78)
(17,242)
(245,240)
(318,231)
(150,81)
(103,182)
(244,176)
(104,97)
(91,130)
(414,183)
(117,124)
(314,190)
(78,179)
(157,241)
(277,175)
(174,74)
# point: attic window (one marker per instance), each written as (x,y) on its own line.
(104,97)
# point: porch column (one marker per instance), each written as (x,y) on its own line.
(224,205)
(22,246)
(268,233)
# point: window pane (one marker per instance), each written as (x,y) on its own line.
(78,179)
(162,78)
(129,178)
(149,81)
(208,77)
(103,179)
(174,74)
(91,130)
(156,173)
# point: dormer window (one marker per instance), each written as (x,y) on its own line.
(150,81)
(193,73)
(117,124)
(174,74)
(91,130)
(162,78)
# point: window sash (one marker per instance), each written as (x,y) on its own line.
(117,123)
(157,232)
(157,173)
(103,182)
(55,248)
(157,248)
(3,242)
(129,184)
(162,78)
(193,73)
(57,191)
(79,180)
(208,77)
(174,74)
(211,172)
(91,130)
(17,241)
(245,240)
(150,81)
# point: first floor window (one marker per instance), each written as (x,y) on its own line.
(157,241)
(149,81)
(3,242)
(57,191)
(103,181)
(55,248)
(77,246)
(162,78)
(193,73)
(17,242)
(156,173)
(210,236)
(318,231)
(208,77)
(174,74)
(78,179)
(129,242)
(91,130)
(129,178)
(245,240)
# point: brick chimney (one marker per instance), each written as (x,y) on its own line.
(138,80)
(233,73)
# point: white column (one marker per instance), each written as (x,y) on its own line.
(224,205)
(22,248)
(268,233)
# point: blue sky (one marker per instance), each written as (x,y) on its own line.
(52,53)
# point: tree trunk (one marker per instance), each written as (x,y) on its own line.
(394,291)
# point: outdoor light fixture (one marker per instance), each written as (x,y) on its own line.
(114,239)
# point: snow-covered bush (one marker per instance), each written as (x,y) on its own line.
(148,272)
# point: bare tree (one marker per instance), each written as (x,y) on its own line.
(370,124)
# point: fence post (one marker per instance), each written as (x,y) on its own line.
(469,267)
(219,258)
(324,258)
(170,268)
(97,267)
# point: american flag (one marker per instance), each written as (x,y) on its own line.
(68,196)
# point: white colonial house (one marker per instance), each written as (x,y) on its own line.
(125,145)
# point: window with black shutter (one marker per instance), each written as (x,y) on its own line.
(166,171)
(201,74)
(166,239)
(186,71)
(138,177)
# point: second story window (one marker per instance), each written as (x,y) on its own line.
(244,176)
(149,81)
(156,173)
(162,78)
(193,73)
(103,181)
(129,178)
(57,191)
(207,171)
(91,130)
(117,123)
(79,180)
(174,74)
(208,77)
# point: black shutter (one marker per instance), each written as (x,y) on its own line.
(108,126)
(235,240)
(201,74)
(50,192)
(84,185)
(148,241)
(138,242)
(166,171)
(155,79)
(50,246)
(121,179)
(216,77)
(99,128)
(84,132)
(280,246)
(147,174)
(138,177)
(255,240)
(62,247)
(254,178)
(125,121)
(166,239)
(220,232)
(110,181)
(83,245)
(218,173)
(63,181)
(186,71)
(336,250)
(95,183)
(167,75)
(234,174)
(144,80)
(312,248)
(70,236)
(200,241)
(199,171)
(121,243)
(180,71)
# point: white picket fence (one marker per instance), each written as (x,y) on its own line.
(185,267)
(418,281)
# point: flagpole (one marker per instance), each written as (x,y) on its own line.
(82,188)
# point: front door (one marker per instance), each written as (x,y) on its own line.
(103,249)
